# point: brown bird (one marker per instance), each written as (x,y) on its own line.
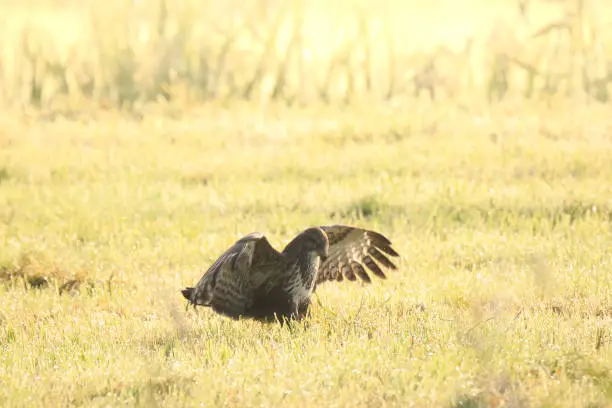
(253,280)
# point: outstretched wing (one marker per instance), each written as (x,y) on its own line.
(227,286)
(350,249)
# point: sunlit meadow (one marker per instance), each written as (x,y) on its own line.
(134,153)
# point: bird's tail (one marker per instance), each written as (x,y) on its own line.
(196,296)
(188,293)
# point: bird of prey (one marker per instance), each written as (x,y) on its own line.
(254,280)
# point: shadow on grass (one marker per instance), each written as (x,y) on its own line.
(443,214)
(35,271)
(141,393)
(4,174)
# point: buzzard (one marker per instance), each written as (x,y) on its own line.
(253,280)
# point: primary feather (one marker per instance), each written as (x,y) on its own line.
(253,280)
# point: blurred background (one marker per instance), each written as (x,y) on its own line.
(62,54)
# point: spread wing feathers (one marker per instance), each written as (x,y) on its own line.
(228,285)
(350,249)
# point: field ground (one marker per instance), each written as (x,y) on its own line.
(502,215)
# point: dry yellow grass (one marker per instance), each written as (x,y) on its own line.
(133,154)
(68,55)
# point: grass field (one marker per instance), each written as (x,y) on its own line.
(139,140)
(502,215)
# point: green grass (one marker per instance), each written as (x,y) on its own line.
(502,216)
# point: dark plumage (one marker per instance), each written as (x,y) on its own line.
(253,280)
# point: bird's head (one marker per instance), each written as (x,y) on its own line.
(316,240)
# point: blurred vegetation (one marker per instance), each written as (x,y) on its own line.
(129,53)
